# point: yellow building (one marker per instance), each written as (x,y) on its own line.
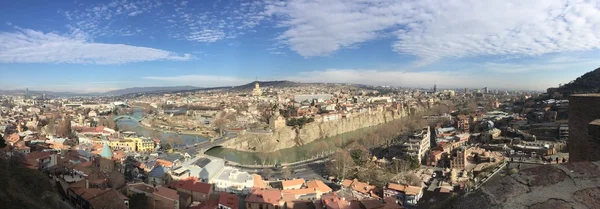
(124,144)
(142,144)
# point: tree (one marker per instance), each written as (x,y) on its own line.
(286,172)
(359,156)
(413,180)
(221,125)
(64,128)
(111,123)
(341,164)
(267,172)
(174,140)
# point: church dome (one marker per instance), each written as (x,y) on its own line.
(106,152)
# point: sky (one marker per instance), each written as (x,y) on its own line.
(96,46)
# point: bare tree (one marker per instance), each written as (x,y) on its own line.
(413,179)
(286,172)
(267,172)
(220,124)
(64,127)
(341,164)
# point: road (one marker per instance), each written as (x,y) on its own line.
(309,171)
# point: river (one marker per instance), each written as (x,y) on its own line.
(289,155)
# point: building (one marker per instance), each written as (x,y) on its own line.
(234,181)
(418,144)
(256,91)
(264,199)
(583,109)
(165,198)
(106,162)
(141,144)
(458,159)
(199,191)
(407,194)
(97,198)
(563,132)
(228,201)
(277,121)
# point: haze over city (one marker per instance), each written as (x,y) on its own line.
(96,46)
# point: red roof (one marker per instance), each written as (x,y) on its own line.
(229,200)
(192,184)
(38,155)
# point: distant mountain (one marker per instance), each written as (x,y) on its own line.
(587,83)
(274,84)
(135,90)
(120,92)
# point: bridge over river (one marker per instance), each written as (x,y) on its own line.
(130,117)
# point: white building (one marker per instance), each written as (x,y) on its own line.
(418,144)
(233,180)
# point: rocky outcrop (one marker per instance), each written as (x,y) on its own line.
(571,185)
(288,137)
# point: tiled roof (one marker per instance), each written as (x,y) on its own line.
(299,191)
(110,199)
(346,183)
(192,184)
(166,193)
(258,181)
(270,196)
(319,185)
(292,183)
(229,200)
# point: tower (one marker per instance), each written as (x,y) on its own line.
(256,91)
(107,164)
(26,93)
(434,87)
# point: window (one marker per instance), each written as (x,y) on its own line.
(260,206)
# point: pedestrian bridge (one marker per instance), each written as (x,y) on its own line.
(130,117)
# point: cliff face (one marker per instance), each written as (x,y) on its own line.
(571,185)
(289,137)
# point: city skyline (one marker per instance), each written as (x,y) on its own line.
(85,46)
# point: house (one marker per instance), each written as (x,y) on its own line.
(362,188)
(211,169)
(157,175)
(264,199)
(228,201)
(293,184)
(96,198)
(319,187)
(233,180)
(333,201)
(407,194)
(199,191)
(41,160)
(160,197)
(165,198)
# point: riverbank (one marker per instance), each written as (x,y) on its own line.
(289,137)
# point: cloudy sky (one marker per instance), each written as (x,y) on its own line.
(93,46)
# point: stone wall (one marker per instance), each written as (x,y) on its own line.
(288,137)
(583,109)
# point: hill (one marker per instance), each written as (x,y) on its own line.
(274,84)
(135,90)
(587,83)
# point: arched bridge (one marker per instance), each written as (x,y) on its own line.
(204,146)
(127,117)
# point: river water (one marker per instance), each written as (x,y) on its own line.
(289,155)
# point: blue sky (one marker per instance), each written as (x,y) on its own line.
(95,46)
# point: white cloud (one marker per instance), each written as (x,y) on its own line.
(433,30)
(30,46)
(202,80)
